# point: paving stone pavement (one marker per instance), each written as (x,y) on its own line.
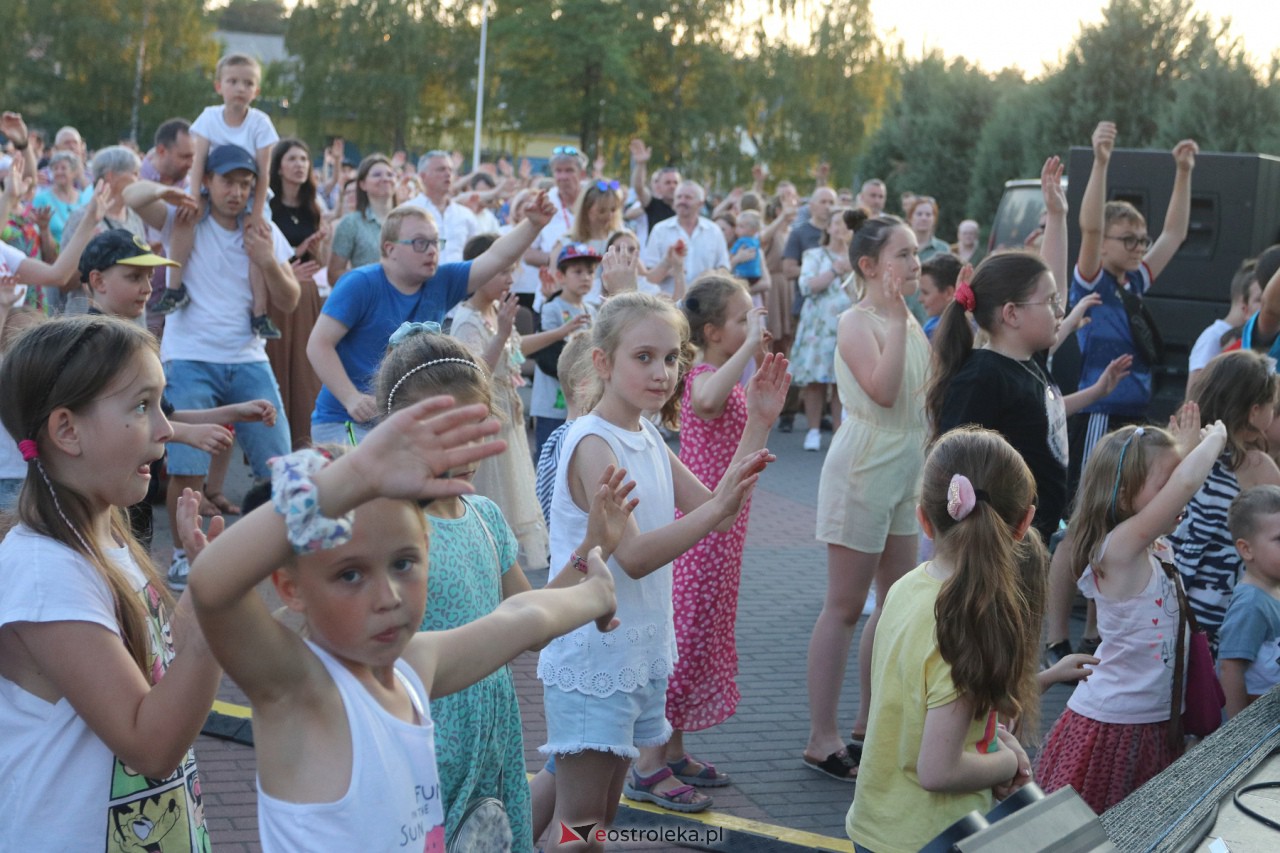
(783,583)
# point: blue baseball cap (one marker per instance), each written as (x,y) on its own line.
(230,158)
(576,252)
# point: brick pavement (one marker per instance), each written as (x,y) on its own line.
(784,579)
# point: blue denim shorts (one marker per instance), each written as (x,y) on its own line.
(616,723)
(205,385)
(334,432)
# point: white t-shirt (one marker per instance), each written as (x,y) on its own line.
(61,787)
(254,133)
(456,225)
(1208,345)
(215,326)
(10,259)
(705,249)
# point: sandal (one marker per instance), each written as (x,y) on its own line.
(707,777)
(684,798)
(216,503)
(838,765)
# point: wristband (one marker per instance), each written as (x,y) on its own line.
(294,495)
(578,562)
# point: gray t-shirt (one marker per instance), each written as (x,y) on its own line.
(547,400)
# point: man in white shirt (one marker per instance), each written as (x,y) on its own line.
(211,357)
(705,248)
(568,166)
(455,223)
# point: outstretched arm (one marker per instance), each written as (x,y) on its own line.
(1053,247)
(1094,201)
(1178,216)
(640,154)
(509,248)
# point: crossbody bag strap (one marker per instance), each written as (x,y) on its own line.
(1179,657)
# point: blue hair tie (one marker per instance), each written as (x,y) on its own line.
(409,329)
(1115,491)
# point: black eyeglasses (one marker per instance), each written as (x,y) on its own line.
(421,245)
(605,186)
(565,149)
(1132,241)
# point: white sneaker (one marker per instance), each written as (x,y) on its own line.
(813,440)
(179,569)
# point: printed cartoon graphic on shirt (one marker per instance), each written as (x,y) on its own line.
(146,815)
(1055,409)
(426,823)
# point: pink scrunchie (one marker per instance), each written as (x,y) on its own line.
(961,498)
(966,297)
(27,447)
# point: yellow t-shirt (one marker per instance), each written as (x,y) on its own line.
(890,811)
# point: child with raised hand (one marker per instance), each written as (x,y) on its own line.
(342,723)
(1119,262)
(1240,389)
(237,80)
(870,479)
(1115,732)
(935,748)
(702,691)
(104,682)
(1249,646)
(473,568)
(606,698)
(1005,385)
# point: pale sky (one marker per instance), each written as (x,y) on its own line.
(999,33)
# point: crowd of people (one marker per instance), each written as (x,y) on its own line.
(362,332)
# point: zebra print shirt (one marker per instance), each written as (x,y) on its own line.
(1204,551)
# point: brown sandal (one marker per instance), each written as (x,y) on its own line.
(216,503)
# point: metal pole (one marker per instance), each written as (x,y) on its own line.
(484,37)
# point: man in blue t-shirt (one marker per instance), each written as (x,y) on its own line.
(369,303)
(1262,330)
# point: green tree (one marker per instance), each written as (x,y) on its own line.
(254,16)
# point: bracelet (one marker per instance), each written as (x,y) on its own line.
(578,562)
(294,495)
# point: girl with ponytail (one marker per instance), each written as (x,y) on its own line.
(955,651)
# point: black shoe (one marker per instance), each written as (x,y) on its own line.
(264,328)
(825,424)
(1055,652)
(172,300)
(786,423)
(1089,645)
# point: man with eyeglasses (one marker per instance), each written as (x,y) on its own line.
(704,246)
(457,224)
(568,166)
(409,284)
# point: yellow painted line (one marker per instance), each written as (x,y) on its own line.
(709,818)
(244,712)
(741,824)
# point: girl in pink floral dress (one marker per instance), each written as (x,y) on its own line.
(702,691)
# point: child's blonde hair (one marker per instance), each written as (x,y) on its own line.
(67,363)
(1228,389)
(750,218)
(1112,479)
(989,611)
(1121,211)
(625,309)
(578,379)
(234,59)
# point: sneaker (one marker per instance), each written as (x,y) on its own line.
(173,299)
(786,423)
(813,440)
(179,569)
(264,328)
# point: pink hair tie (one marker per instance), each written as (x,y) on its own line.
(27,447)
(960,497)
(966,297)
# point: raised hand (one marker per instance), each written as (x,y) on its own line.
(410,454)
(1185,426)
(526,169)
(618,271)
(598,574)
(504,167)
(99,203)
(1184,154)
(43,216)
(193,537)
(1104,140)
(540,210)
(547,282)
(611,506)
(14,128)
(735,487)
(507,307)
(767,388)
(755,328)
(597,167)
(640,153)
(1077,315)
(891,289)
(1055,197)
(1118,369)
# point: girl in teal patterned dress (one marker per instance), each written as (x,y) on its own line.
(472,568)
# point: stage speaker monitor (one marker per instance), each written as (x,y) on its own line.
(1060,822)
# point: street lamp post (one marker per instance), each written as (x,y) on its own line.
(484,37)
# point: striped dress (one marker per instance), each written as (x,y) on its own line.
(1204,551)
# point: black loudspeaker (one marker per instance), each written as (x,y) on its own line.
(1027,822)
(1235,214)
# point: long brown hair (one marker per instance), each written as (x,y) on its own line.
(989,611)
(306,190)
(68,363)
(999,280)
(1228,389)
(1112,478)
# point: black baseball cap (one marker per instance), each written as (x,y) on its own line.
(118,246)
(229,158)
